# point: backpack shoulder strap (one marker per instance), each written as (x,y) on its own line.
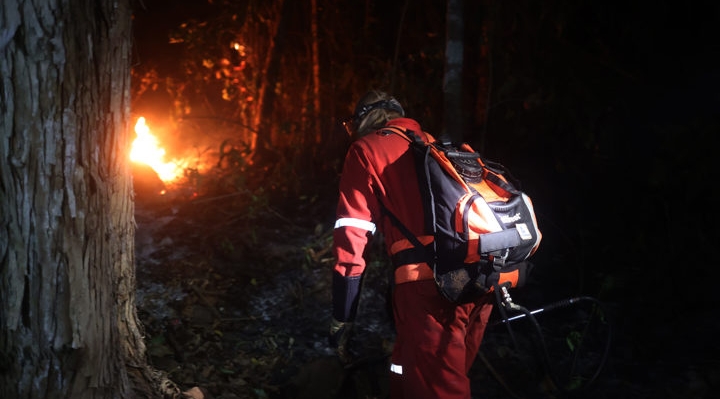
(400,226)
(407,134)
(414,143)
(500,176)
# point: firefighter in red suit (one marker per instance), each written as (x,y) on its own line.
(436,340)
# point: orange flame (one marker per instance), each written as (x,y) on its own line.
(146,149)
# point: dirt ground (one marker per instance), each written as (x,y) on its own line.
(235,298)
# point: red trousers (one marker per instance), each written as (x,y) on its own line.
(436,342)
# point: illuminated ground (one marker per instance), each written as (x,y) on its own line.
(238,303)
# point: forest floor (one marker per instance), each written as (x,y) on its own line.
(235,298)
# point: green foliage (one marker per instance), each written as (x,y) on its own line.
(227,246)
(573,339)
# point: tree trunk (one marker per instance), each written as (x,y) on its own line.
(68,323)
(453,114)
(268,79)
(484,70)
(315,72)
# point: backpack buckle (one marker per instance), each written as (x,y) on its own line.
(498,259)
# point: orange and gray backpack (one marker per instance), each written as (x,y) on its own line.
(484,227)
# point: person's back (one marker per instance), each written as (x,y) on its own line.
(386,161)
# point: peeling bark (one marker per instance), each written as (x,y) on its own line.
(68,322)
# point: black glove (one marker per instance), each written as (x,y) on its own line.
(339,337)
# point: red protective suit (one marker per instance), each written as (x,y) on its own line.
(436,340)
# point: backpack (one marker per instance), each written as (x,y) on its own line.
(484,227)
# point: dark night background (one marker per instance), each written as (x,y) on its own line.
(607,111)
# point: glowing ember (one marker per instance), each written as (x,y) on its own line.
(146,149)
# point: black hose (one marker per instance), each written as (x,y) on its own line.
(545,356)
(559,304)
(506,302)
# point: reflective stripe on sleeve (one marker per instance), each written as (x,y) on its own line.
(353,222)
(396,368)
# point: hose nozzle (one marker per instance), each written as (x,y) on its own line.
(507,300)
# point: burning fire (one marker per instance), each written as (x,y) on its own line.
(146,149)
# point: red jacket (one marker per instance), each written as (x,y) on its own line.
(378,168)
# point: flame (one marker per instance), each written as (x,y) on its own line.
(146,149)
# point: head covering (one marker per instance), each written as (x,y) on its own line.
(372,112)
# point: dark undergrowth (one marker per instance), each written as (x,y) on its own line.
(234,293)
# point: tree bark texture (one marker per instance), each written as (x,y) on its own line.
(453,113)
(271,72)
(315,71)
(267,79)
(68,322)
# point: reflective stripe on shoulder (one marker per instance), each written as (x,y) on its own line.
(353,222)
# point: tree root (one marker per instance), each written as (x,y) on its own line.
(149,383)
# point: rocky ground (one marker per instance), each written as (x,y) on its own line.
(235,298)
